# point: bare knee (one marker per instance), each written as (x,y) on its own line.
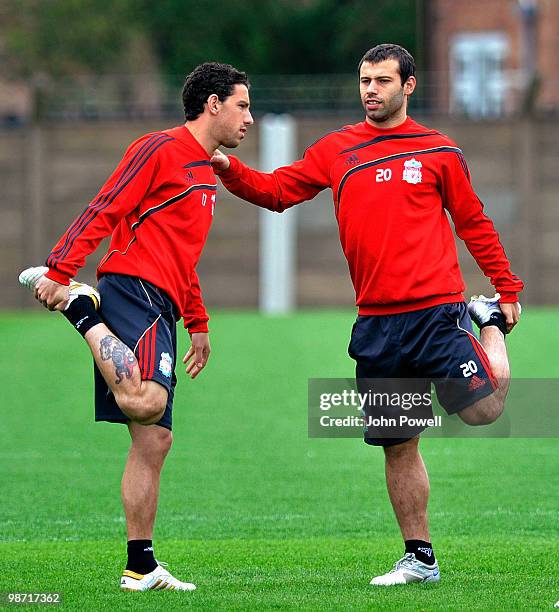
(153,442)
(161,441)
(483,412)
(165,441)
(147,406)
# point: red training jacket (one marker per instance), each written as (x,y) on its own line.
(158,205)
(391,189)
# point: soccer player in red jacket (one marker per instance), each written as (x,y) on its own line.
(393,182)
(158,207)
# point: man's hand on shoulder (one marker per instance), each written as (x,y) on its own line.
(220,162)
(512,314)
(198,353)
(51,294)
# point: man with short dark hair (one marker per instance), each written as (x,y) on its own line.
(393,181)
(158,207)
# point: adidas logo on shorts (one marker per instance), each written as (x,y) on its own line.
(476,382)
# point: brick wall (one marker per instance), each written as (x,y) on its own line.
(548,37)
(449,17)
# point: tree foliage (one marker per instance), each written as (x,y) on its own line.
(276,36)
(63,37)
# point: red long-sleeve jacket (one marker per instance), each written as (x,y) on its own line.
(392,189)
(158,205)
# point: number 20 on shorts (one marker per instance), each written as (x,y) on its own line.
(469,368)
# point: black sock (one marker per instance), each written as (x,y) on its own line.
(498,320)
(422,550)
(82,314)
(140,557)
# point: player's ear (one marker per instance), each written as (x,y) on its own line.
(213,104)
(409,86)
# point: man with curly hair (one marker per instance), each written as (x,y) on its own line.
(158,207)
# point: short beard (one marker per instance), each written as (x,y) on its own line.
(379,119)
(390,109)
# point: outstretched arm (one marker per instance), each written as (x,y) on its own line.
(278,190)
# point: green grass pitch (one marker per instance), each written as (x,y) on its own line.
(258,515)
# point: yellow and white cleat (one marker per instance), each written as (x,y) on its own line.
(29,278)
(158,580)
(77,289)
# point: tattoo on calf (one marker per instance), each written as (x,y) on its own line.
(122,357)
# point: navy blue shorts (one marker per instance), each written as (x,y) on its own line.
(145,319)
(433,344)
